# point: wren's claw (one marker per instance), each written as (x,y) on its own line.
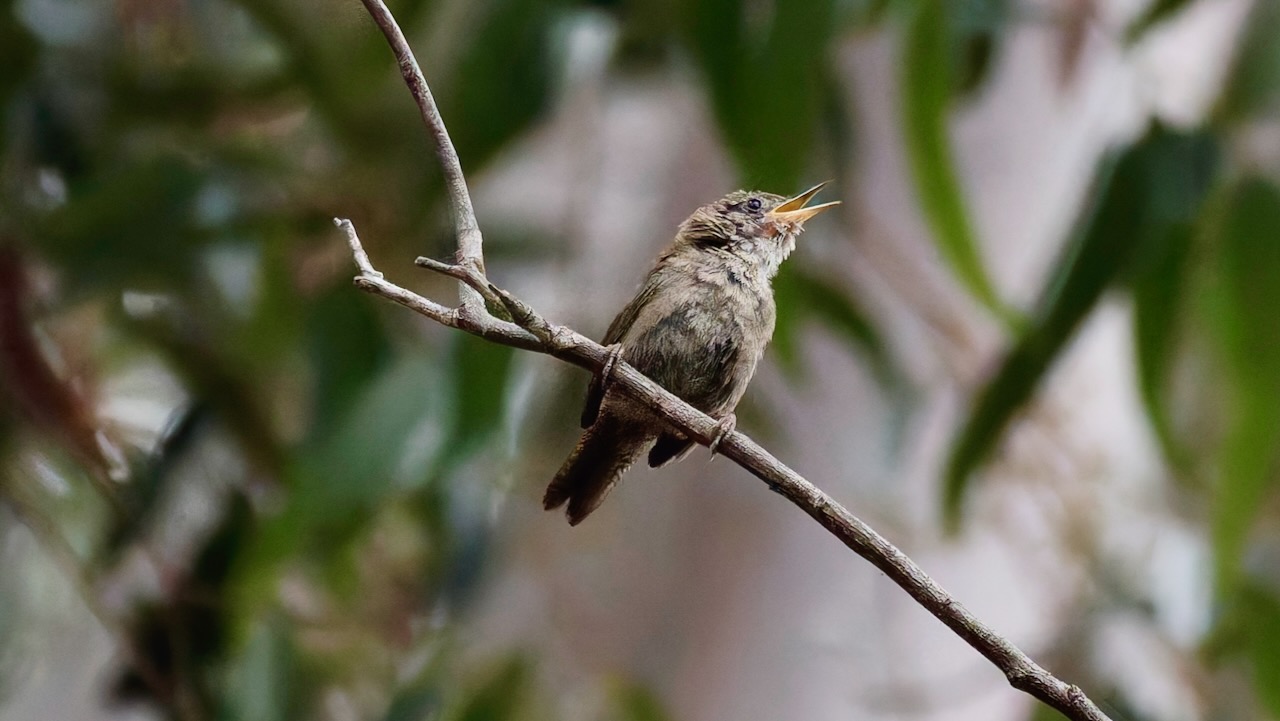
(606,373)
(724,427)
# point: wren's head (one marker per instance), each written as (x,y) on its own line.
(758,228)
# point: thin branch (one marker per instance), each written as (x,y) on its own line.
(533,332)
(541,336)
(470,241)
(481,324)
(465,273)
(357,251)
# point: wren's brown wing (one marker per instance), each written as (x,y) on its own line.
(617,329)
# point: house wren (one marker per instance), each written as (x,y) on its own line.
(697,327)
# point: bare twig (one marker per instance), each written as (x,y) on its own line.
(533,332)
(481,323)
(470,241)
(465,273)
(357,251)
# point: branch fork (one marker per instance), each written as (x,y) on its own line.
(528,330)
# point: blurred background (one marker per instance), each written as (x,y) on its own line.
(1037,348)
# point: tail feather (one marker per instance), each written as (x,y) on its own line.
(607,449)
(670,448)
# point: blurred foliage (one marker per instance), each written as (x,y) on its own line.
(1154,190)
(1247,288)
(1156,13)
(764,75)
(1253,88)
(803,297)
(636,703)
(943,54)
(168,170)
(1250,628)
(1186,224)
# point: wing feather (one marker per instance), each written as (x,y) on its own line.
(617,329)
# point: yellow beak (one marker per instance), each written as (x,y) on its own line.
(793,210)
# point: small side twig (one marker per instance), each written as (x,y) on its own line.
(357,250)
(533,332)
(466,274)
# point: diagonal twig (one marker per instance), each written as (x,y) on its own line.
(466,274)
(533,332)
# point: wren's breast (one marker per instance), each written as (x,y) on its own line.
(704,339)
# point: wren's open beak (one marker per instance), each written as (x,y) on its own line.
(793,210)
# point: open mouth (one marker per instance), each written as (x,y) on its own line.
(793,210)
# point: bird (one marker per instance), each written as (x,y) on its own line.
(697,326)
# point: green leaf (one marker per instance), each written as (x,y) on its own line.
(18,53)
(1156,13)
(376,447)
(260,681)
(976,27)
(765,68)
(1159,288)
(638,703)
(1154,188)
(347,348)
(926,96)
(839,312)
(1262,619)
(337,69)
(502,81)
(861,14)
(801,298)
(1247,298)
(384,443)
(133,223)
(502,698)
(1248,628)
(414,705)
(1253,87)
(479,380)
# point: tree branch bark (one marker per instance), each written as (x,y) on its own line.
(532,332)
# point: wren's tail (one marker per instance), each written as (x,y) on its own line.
(606,450)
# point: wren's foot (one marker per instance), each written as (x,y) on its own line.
(606,373)
(724,427)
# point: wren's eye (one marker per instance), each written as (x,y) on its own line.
(754,205)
